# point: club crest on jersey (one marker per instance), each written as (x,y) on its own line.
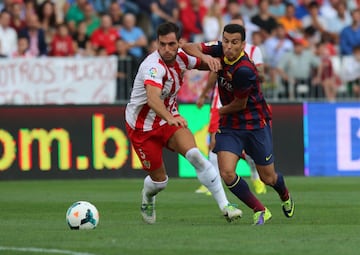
(228,76)
(212,43)
(153,72)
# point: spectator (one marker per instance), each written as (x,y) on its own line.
(275,47)
(264,20)
(326,76)
(8,36)
(328,9)
(277,8)
(105,36)
(301,9)
(296,69)
(47,19)
(249,9)
(75,13)
(17,20)
(30,8)
(91,19)
(82,45)
(213,23)
(35,35)
(126,70)
(232,10)
(62,44)
(292,25)
(116,14)
(100,6)
(129,6)
(314,20)
(351,72)
(134,36)
(339,21)
(350,35)
(164,10)
(22,49)
(6,5)
(192,18)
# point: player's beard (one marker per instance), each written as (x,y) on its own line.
(169,58)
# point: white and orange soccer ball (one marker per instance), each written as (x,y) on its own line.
(82,215)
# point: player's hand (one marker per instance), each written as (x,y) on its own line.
(213,63)
(177,121)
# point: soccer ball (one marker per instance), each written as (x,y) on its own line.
(82,215)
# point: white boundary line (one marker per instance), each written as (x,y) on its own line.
(42,250)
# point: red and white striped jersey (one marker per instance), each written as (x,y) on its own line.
(154,72)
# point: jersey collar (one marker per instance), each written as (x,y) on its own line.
(228,62)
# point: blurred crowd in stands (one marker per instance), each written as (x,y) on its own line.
(311,49)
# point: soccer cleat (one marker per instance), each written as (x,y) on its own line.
(261,217)
(231,213)
(148,213)
(259,186)
(288,207)
(203,190)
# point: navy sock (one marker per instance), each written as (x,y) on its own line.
(240,188)
(280,188)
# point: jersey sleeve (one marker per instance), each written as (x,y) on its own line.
(153,75)
(244,79)
(190,62)
(213,48)
(257,57)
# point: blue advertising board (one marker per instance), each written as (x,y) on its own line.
(332,139)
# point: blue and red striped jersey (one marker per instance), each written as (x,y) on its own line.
(241,80)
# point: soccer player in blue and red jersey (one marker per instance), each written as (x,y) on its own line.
(245,119)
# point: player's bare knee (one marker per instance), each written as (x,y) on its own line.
(228,176)
(268,179)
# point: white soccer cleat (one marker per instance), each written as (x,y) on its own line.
(231,213)
(148,213)
(147,209)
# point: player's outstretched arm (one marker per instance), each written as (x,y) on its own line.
(208,62)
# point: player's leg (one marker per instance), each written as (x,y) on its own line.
(229,147)
(148,147)
(238,186)
(213,160)
(155,182)
(259,186)
(183,142)
(262,153)
(270,177)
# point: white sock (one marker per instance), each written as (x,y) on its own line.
(208,176)
(151,188)
(213,160)
(253,172)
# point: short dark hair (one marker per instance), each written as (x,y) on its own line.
(167,28)
(235,28)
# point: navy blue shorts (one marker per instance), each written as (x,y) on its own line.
(256,143)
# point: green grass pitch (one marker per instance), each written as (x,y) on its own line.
(32,220)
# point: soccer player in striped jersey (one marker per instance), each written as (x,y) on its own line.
(153,122)
(255,55)
(245,119)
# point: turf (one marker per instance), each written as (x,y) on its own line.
(32,214)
